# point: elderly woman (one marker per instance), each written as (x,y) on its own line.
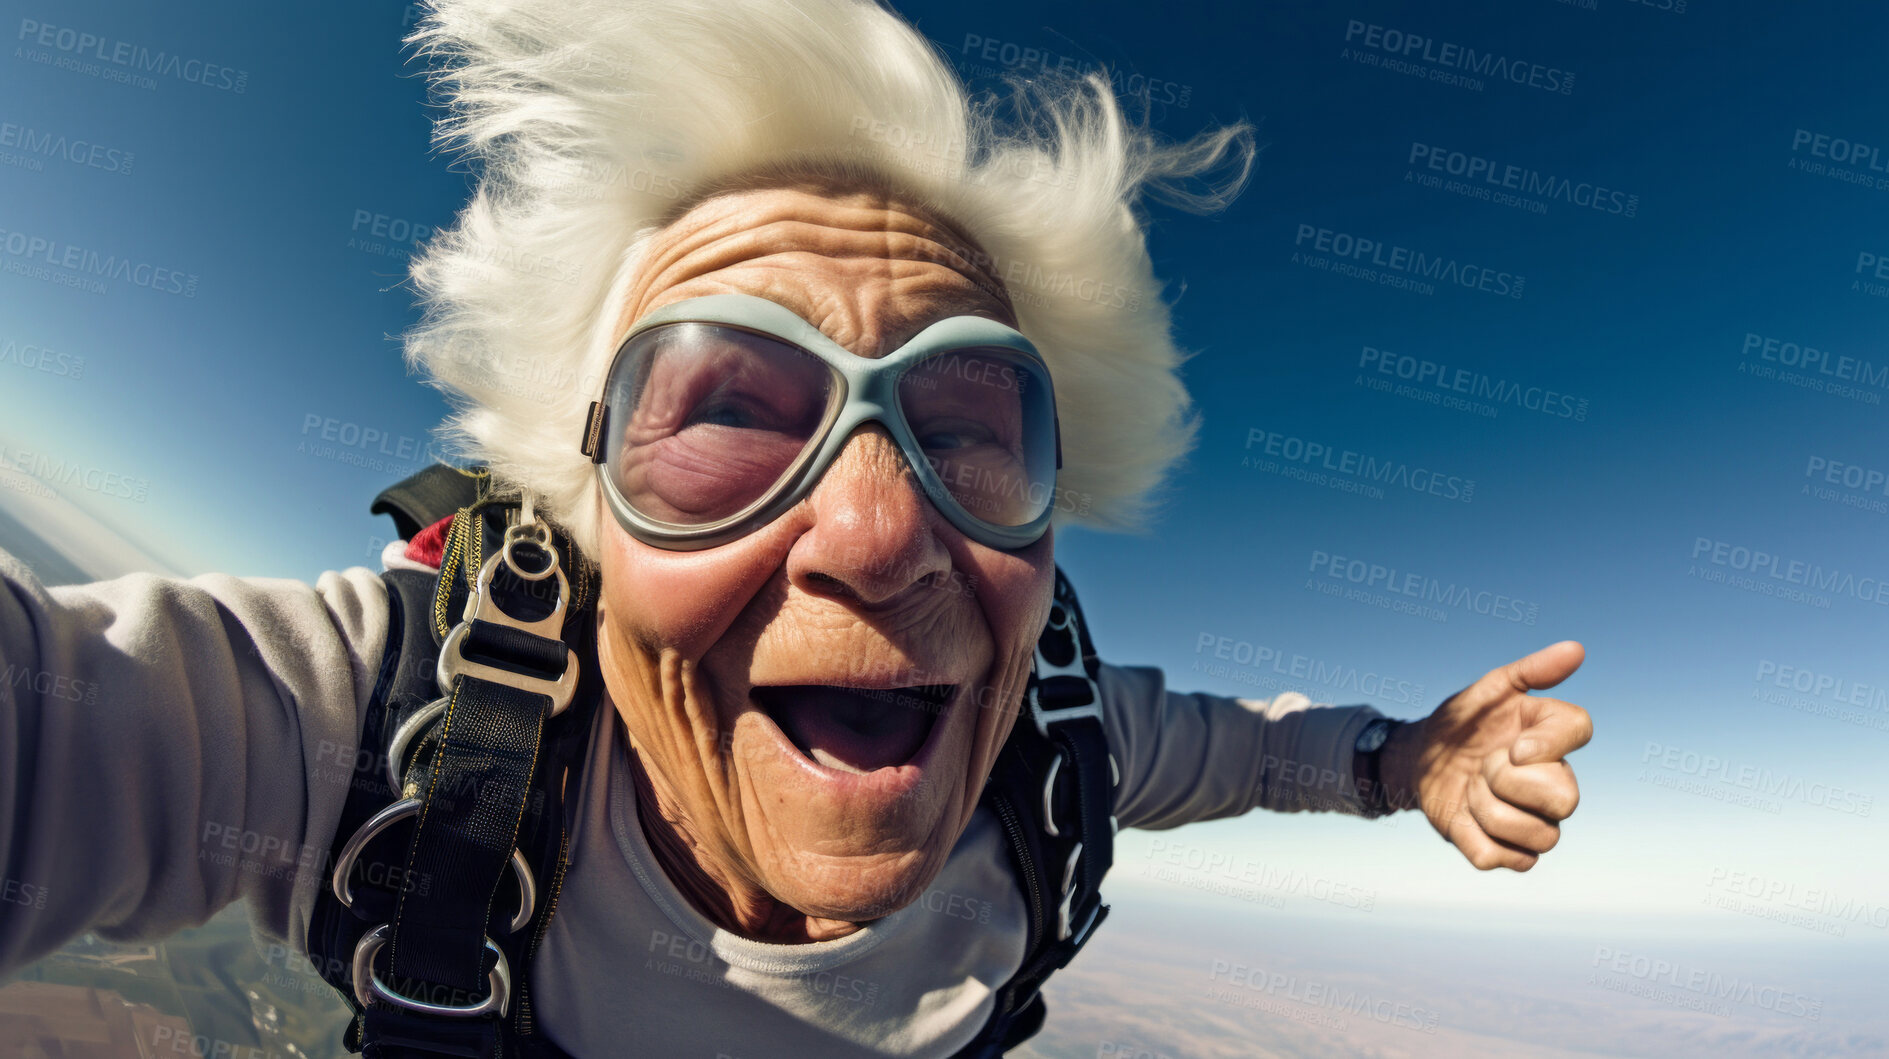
(785,359)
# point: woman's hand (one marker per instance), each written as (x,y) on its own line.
(1487,767)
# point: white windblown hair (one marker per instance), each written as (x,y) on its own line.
(591,122)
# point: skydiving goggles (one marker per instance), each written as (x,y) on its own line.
(719,413)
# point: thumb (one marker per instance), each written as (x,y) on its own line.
(1544,669)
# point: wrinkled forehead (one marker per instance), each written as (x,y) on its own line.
(868,266)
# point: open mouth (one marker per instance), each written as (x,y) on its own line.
(855,729)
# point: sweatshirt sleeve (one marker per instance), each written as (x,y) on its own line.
(1201,757)
(169,746)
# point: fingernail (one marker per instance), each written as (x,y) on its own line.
(1524,749)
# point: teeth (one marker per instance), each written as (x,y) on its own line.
(834,763)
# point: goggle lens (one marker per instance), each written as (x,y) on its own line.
(716,417)
(985,422)
(709,422)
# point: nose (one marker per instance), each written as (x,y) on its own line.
(874,533)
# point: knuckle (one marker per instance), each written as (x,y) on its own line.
(1565,802)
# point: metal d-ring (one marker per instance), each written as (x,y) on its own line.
(398,811)
(1049,795)
(1069,893)
(403,735)
(368,987)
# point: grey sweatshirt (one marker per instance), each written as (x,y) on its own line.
(168,747)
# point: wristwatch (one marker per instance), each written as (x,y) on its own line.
(1368,766)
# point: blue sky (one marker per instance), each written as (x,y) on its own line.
(1622,527)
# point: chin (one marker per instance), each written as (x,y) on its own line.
(853,894)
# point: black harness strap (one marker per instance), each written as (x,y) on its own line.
(468,826)
(441,911)
(1053,790)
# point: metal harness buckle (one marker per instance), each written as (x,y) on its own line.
(1061,620)
(482,607)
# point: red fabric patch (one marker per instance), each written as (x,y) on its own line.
(429,545)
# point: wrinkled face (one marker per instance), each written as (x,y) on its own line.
(757,678)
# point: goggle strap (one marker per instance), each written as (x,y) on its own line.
(594,422)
